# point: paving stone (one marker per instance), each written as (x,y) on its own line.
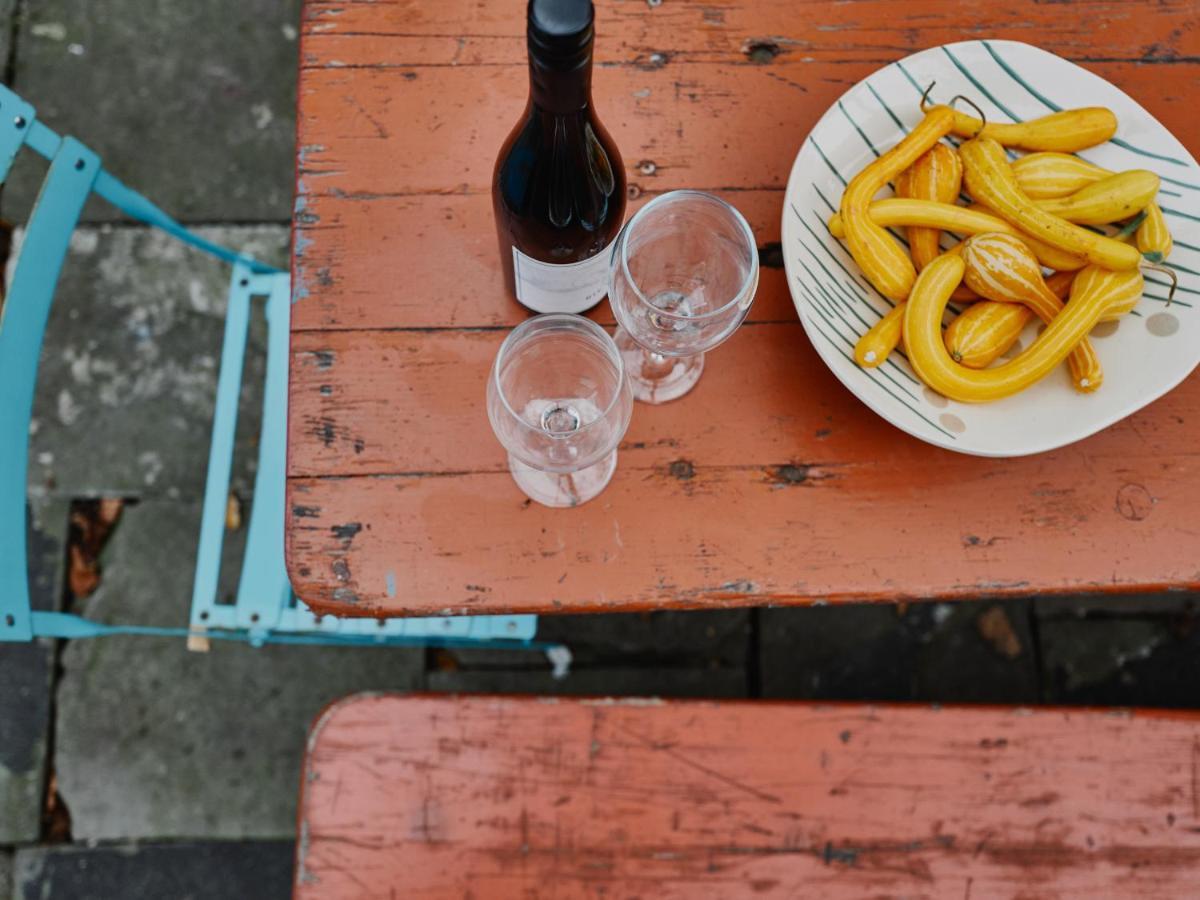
(155,742)
(717,638)
(261,870)
(192,104)
(127,382)
(8,9)
(639,682)
(1082,605)
(25,685)
(925,651)
(1100,653)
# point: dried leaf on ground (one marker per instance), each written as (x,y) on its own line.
(995,628)
(92,523)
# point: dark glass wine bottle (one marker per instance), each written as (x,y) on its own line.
(559,186)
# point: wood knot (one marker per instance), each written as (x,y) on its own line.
(682,469)
(770,256)
(647,167)
(790,474)
(761,50)
(1134,502)
(633,192)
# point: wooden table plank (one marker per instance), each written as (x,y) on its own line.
(504,797)
(457,264)
(771,477)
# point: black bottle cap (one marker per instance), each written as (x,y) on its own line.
(560,31)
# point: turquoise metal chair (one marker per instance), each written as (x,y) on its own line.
(265,609)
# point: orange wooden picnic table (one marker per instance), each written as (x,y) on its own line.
(768,484)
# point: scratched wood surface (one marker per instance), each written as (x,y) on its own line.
(494,797)
(770,483)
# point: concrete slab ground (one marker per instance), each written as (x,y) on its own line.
(1135,651)
(192,104)
(26,684)
(128,373)
(942,652)
(216,870)
(154,741)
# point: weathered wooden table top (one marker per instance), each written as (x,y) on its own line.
(502,797)
(770,483)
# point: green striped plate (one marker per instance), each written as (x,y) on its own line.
(1149,352)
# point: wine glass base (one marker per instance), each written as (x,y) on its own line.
(654,378)
(562,491)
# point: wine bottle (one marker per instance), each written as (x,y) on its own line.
(559,186)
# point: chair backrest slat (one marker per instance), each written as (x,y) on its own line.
(264,590)
(22,325)
(220,456)
(16,123)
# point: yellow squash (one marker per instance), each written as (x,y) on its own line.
(982,332)
(1000,267)
(1045,176)
(1153,237)
(990,180)
(936,175)
(1091,294)
(882,260)
(960,220)
(1052,175)
(1066,131)
(1110,199)
(987,330)
(873,348)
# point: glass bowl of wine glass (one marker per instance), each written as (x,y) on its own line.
(681,280)
(559,402)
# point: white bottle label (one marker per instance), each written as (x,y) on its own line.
(569,288)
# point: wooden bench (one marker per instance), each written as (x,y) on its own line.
(492,797)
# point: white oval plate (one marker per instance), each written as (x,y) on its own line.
(1152,349)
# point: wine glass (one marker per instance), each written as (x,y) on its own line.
(559,402)
(681,279)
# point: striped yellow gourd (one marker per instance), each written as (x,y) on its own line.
(1153,236)
(936,175)
(1000,267)
(1067,130)
(960,220)
(990,179)
(873,348)
(985,330)
(882,260)
(1053,175)
(1110,199)
(1091,294)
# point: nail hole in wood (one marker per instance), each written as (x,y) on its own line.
(761,50)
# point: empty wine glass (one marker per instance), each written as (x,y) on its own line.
(559,401)
(682,276)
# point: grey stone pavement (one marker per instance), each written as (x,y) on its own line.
(134,768)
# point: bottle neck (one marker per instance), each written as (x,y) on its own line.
(561,86)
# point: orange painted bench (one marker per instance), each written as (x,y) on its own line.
(770,483)
(495,797)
